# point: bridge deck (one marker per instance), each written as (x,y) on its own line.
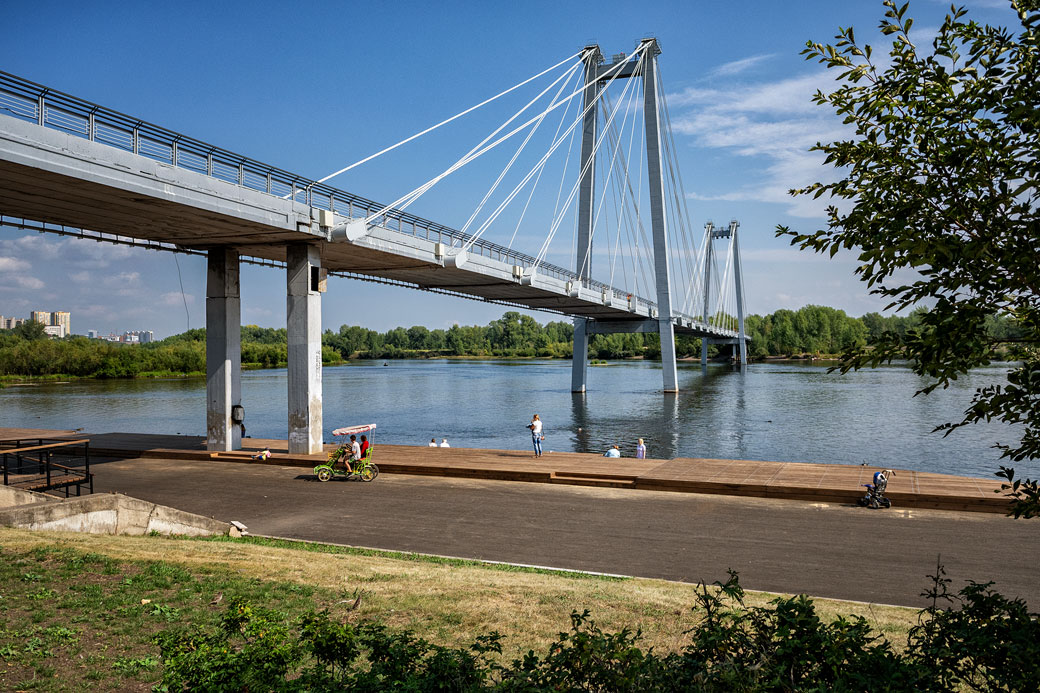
(67,162)
(786,480)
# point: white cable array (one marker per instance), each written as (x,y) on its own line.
(454,117)
(494,186)
(556,222)
(720,304)
(689,263)
(534,186)
(624,212)
(472,154)
(615,149)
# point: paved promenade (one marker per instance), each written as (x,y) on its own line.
(472,510)
(787,480)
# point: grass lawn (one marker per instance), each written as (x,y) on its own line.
(78,611)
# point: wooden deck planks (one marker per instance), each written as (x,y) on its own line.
(793,480)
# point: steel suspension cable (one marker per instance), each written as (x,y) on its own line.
(534,187)
(454,117)
(474,153)
(520,149)
(610,130)
(585,167)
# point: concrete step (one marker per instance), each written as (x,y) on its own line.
(604,481)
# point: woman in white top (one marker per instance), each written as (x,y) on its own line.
(536,434)
(444,443)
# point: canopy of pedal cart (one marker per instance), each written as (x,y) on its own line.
(353,430)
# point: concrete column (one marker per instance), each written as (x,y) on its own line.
(708,261)
(586,191)
(579,361)
(303,321)
(658,220)
(223,350)
(738,279)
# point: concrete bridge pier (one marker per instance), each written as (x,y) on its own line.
(223,351)
(580,356)
(303,322)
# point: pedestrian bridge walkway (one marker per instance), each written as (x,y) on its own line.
(820,483)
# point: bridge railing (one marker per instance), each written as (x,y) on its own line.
(53,109)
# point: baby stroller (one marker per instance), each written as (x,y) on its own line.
(875,497)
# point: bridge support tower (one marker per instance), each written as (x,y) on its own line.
(595,73)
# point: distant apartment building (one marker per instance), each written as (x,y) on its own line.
(64,319)
(93,334)
(57,323)
(128,337)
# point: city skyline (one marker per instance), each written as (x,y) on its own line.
(739,93)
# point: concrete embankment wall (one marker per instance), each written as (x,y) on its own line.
(110,513)
(12,496)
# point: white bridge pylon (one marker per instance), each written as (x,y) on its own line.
(666,280)
(667,222)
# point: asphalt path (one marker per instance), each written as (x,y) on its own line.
(826,550)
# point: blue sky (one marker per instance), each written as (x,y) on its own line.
(313,86)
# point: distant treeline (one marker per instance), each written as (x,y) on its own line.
(817,330)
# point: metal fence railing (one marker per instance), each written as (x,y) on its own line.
(36,465)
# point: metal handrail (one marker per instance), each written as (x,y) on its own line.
(57,110)
(71,476)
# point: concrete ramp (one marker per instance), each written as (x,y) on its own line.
(109,513)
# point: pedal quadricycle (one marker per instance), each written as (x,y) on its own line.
(345,461)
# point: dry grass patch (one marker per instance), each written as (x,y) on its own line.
(451,603)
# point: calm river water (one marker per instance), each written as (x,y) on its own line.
(772,411)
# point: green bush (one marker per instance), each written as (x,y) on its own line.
(986,643)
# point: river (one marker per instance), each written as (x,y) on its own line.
(791,411)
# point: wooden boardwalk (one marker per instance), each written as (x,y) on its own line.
(788,480)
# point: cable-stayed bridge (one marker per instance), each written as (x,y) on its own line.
(73,167)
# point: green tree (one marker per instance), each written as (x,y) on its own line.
(942,176)
(30,330)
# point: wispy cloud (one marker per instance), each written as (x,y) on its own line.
(774,121)
(737,66)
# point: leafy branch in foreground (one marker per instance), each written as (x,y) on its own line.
(939,194)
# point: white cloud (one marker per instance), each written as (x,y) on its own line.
(19,282)
(774,121)
(175,298)
(80,277)
(13,264)
(123,279)
(738,66)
